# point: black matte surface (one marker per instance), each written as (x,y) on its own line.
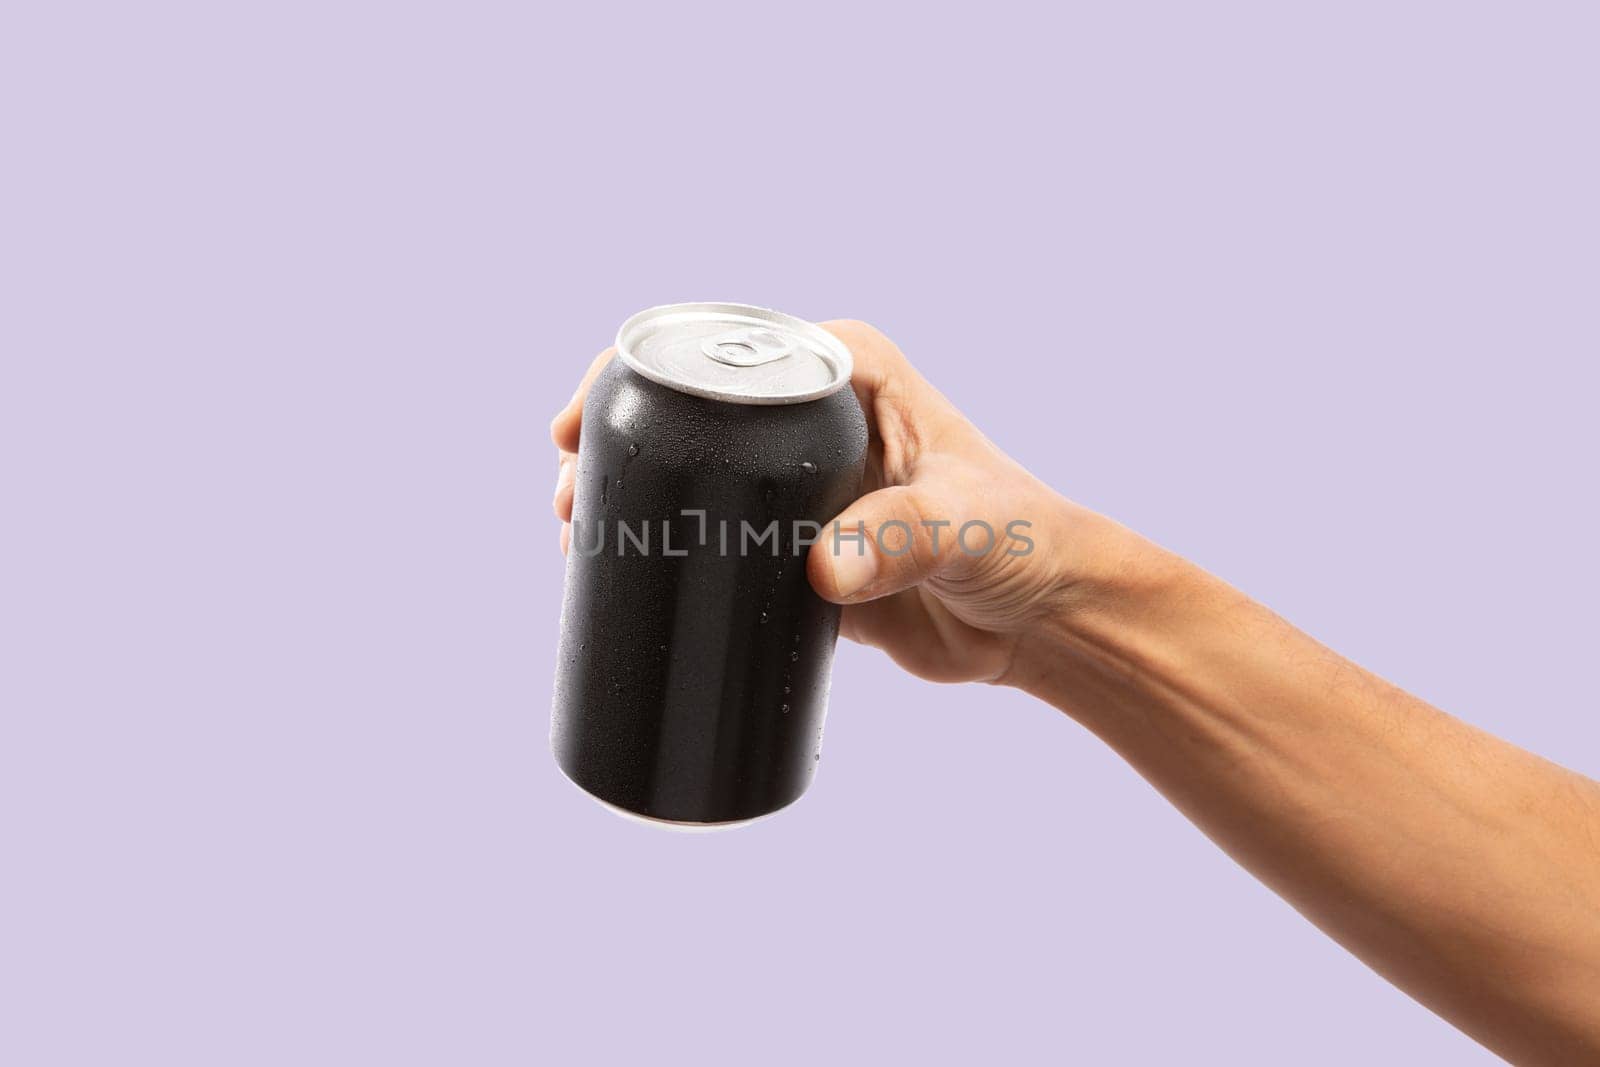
(694,688)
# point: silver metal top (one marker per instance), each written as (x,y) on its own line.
(734,352)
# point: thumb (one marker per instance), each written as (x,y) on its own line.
(885,542)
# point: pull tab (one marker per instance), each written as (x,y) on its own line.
(747,348)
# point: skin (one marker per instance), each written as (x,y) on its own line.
(1463,869)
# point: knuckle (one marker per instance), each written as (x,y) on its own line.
(920,511)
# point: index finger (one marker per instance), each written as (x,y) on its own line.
(879,368)
(565,426)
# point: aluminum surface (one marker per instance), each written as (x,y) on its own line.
(734,353)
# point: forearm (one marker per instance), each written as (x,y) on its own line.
(1462,868)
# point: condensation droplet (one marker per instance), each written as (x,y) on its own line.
(633,450)
(809,467)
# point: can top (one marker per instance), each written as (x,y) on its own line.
(735,353)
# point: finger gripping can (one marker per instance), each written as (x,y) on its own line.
(693,671)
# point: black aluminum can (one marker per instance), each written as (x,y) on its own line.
(695,659)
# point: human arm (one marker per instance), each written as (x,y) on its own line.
(1462,868)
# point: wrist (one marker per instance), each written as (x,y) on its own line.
(1112,593)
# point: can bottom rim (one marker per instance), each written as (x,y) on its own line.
(674,825)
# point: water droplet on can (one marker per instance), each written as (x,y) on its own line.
(809,467)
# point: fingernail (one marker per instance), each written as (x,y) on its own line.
(854,566)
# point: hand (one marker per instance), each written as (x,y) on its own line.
(940,612)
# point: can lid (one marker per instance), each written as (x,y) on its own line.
(735,353)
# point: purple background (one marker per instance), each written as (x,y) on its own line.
(290,295)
